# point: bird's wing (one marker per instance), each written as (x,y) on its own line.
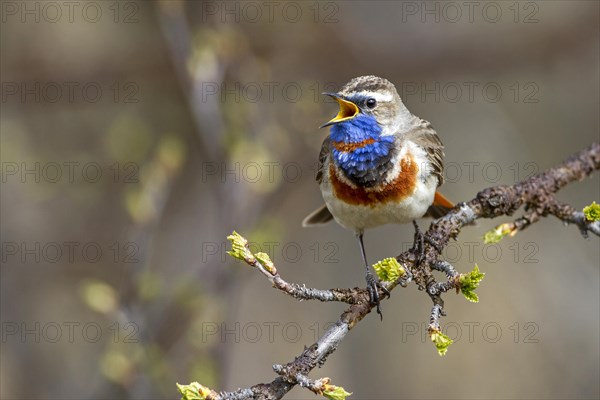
(325,149)
(321,215)
(425,136)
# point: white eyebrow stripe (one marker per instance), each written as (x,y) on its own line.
(376,95)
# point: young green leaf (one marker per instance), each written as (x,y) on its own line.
(592,212)
(496,234)
(441,341)
(195,391)
(266,262)
(335,392)
(240,249)
(388,270)
(469,282)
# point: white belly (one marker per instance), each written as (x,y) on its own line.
(359,217)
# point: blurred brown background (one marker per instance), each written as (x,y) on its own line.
(137,135)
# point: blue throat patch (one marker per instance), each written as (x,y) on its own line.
(357,164)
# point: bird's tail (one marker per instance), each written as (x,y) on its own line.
(440,206)
(320,216)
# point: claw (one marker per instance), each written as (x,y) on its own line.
(373,286)
(373,283)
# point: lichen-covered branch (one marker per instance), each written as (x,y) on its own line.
(536,195)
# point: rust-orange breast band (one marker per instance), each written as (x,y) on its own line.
(397,190)
(346,147)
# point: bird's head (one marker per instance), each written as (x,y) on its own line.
(370,104)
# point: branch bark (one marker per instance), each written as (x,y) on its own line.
(536,195)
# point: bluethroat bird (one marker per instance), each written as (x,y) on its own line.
(380,164)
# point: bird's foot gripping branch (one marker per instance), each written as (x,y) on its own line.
(536,195)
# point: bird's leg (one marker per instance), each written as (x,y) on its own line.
(418,248)
(373,283)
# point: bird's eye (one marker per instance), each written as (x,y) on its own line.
(371,103)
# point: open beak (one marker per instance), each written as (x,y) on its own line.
(348,110)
